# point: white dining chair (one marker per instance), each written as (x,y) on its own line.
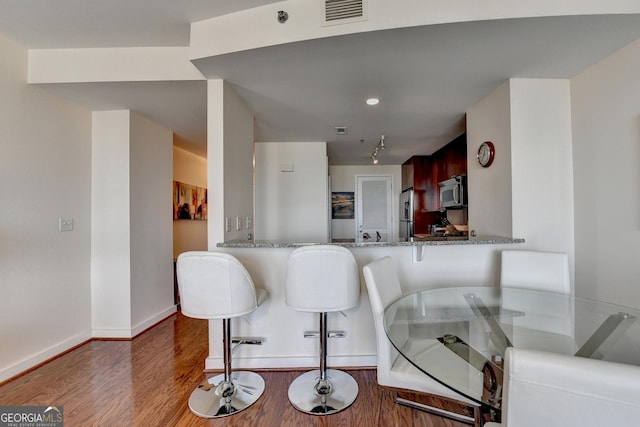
(393,370)
(542,271)
(550,325)
(554,390)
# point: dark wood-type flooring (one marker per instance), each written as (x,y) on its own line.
(147,382)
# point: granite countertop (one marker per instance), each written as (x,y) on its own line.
(349,243)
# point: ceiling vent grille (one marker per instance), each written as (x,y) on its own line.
(344,11)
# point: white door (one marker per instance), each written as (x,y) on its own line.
(374,206)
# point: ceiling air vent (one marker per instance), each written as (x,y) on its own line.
(341,130)
(344,11)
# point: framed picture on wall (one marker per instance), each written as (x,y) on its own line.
(342,205)
(189,202)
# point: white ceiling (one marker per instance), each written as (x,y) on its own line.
(426,77)
(45,24)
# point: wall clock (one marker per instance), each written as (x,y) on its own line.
(486,154)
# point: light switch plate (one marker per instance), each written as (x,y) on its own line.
(238,223)
(227,224)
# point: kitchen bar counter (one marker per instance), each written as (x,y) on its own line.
(418,241)
(428,262)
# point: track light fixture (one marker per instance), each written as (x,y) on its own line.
(380,146)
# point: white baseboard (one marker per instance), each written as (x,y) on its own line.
(216,363)
(143,326)
(42,356)
(140,327)
(112,333)
(67,344)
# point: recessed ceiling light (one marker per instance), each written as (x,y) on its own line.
(373,101)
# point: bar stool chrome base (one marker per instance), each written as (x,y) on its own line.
(248,387)
(304,397)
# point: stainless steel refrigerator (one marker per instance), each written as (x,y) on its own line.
(406,215)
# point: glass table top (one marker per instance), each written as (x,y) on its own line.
(459,335)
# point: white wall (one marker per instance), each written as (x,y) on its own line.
(238,161)
(110,231)
(45,174)
(291,205)
(542,164)
(343,178)
(131,242)
(190,169)
(151,221)
(606,152)
(490,188)
(528,190)
(229,164)
(215,161)
(124,64)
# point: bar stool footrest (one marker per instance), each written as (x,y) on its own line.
(330,334)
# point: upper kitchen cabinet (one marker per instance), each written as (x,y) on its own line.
(423,173)
(452,158)
(416,174)
(413,172)
(407,173)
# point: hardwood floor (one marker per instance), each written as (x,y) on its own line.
(147,382)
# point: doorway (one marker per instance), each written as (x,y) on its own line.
(374,219)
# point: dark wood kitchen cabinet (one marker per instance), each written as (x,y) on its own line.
(423,173)
(416,174)
(449,161)
(452,158)
(413,172)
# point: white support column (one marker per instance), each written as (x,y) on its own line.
(131,230)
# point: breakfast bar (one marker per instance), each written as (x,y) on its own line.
(421,263)
(351,243)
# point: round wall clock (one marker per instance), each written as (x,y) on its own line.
(486,153)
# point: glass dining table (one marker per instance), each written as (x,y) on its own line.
(458,335)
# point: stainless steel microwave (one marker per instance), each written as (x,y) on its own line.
(453,192)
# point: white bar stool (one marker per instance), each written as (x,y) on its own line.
(321,279)
(215,285)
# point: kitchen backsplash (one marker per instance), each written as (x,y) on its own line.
(457,216)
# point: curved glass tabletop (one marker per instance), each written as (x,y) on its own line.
(459,335)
